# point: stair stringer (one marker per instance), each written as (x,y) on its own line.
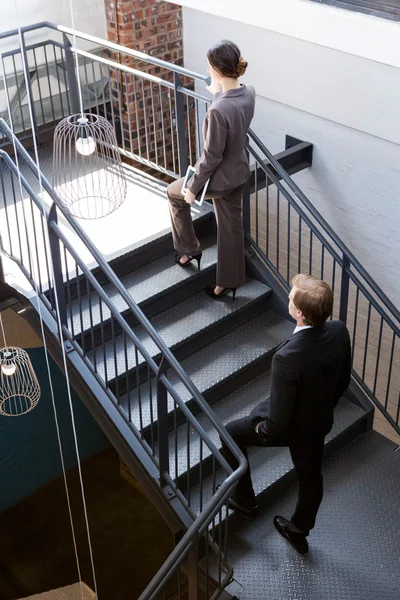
(111,421)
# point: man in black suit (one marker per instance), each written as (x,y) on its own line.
(310,372)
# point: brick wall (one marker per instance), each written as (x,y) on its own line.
(151,26)
(146,111)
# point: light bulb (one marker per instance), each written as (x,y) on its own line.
(85,145)
(8,369)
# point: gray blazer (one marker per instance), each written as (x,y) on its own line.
(225,129)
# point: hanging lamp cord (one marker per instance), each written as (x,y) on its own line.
(2,331)
(71,9)
(30,106)
(36,289)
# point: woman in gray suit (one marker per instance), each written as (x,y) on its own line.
(224,162)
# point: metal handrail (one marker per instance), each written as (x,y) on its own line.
(350,266)
(323,223)
(351,270)
(322,238)
(107,270)
(272,160)
(219,497)
(110,45)
(125,68)
(201,522)
(178,555)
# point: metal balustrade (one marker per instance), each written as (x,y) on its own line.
(144,395)
(157,114)
(151,103)
(290,236)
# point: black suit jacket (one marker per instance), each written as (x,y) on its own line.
(310,373)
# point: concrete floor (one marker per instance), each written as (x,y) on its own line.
(130,540)
(354,548)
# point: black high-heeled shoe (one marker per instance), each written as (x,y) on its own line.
(212,294)
(190,258)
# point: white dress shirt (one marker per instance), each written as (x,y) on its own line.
(297,328)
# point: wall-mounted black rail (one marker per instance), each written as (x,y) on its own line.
(290,236)
(296,157)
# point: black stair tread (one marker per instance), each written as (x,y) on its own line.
(146,283)
(235,406)
(217,362)
(268,465)
(179,324)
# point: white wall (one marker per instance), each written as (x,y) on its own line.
(332,27)
(347,106)
(89,17)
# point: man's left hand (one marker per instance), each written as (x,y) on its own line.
(189,197)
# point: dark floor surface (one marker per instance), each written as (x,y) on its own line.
(355,546)
(130,540)
(354,549)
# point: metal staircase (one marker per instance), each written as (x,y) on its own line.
(161,366)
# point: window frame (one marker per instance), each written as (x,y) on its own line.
(374,8)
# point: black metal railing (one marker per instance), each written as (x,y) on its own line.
(152,104)
(157,115)
(97,313)
(98,318)
(290,236)
(49,65)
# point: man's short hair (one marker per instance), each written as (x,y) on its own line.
(313,297)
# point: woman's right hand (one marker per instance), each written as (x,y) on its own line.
(189,197)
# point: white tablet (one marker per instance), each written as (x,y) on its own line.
(201,195)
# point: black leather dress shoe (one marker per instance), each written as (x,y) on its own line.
(298,540)
(250,512)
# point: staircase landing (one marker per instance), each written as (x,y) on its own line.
(354,549)
(143,216)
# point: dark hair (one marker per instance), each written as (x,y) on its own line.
(313,297)
(225,58)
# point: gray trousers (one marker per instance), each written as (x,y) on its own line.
(230,237)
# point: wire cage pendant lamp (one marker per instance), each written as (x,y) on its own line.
(87,165)
(19,387)
(87,168)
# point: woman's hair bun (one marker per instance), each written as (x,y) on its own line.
(242,66)
(225,58)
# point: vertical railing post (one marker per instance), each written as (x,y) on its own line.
(162,420)
(28,83)
(71,76)
(344,289)
(57,266)
(193,573)
(246,210)
(246,206)
(180,125)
